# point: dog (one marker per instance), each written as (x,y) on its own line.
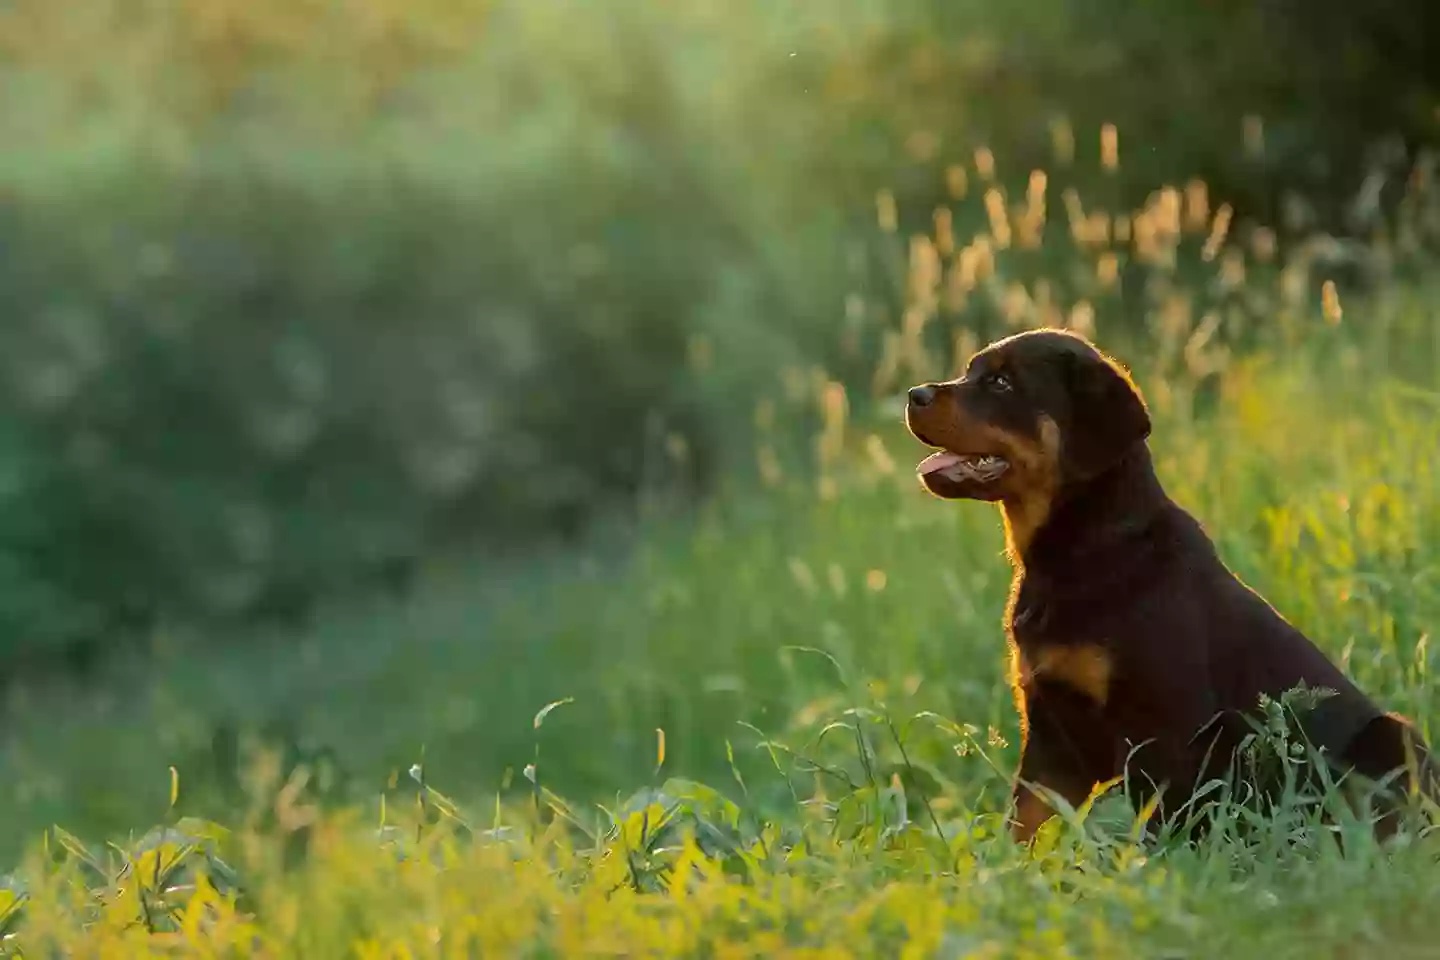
(1134,651)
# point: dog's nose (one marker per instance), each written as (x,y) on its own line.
(923,395)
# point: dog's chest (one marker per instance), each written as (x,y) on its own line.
(1053,644)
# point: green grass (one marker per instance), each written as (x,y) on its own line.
(779,726)
(819,646)
(787,643)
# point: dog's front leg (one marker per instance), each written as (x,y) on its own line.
(1065,748)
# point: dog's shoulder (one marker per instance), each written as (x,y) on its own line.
(1130,617)
(1166,566)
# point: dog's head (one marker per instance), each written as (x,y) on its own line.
(1032,413)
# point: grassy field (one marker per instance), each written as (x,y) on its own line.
(778,725)
(825,655)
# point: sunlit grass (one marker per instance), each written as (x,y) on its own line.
(821,648)
(685,871)
(1320,492)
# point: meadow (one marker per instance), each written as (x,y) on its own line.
(778,725)
(747,696)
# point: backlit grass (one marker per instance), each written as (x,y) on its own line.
(836,626)
(778,727)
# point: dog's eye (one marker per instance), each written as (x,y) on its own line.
(999,383)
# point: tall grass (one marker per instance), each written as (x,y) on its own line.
(821,647)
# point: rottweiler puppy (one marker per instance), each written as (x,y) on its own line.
(1134,650)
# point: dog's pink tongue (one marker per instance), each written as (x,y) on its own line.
(943,460)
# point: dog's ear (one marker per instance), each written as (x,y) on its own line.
(1108,416)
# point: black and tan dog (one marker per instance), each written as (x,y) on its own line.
(1134,650)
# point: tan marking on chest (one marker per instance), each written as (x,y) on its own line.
(1085,667)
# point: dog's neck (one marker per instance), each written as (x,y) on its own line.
(1093,523)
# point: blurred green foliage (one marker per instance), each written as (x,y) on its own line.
(298,295)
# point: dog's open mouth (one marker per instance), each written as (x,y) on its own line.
(974,467)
